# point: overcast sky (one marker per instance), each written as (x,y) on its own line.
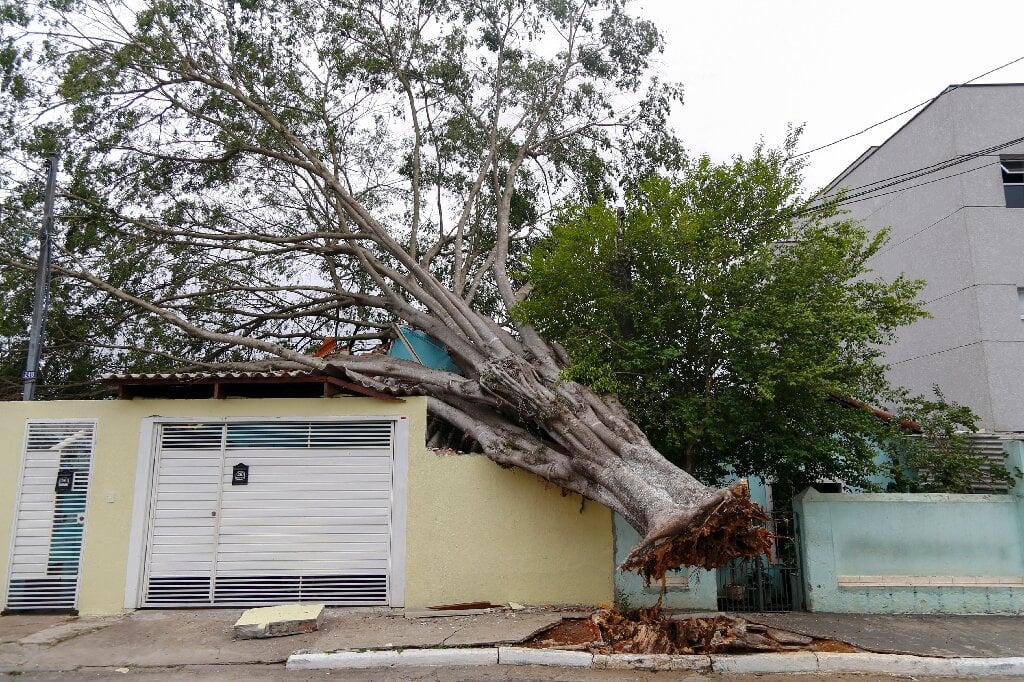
(750,67)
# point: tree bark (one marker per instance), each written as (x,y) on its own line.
(522,415)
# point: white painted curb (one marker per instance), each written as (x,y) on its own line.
(341,660)
(895,664)
(976,667)
(514,655)
(650,662)
(794,662)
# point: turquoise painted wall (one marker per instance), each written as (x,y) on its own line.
(925,534)
(902,537)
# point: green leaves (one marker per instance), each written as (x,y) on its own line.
(724,312)
(202,142)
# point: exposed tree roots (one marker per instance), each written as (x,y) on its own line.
(730,528)
(645,631)
(649,631)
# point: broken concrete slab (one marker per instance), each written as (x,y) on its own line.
(279,621)
(508,629)
(787,637)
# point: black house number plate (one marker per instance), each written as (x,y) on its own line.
(65,480)
(240,474)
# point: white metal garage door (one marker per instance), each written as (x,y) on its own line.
(311,523)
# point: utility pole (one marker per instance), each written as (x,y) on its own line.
(42,297)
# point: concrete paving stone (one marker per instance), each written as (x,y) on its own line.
(279,621)
(893,664)
(512,655)
(342,660)
(796,662)
(650,662)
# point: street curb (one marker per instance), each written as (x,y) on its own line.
(651,662)
(792,662)
(795,662)
(1009,667)
(896,664)
(390,658)
(514,655)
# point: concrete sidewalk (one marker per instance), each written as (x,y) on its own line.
(204,637)
(163,639)
(920,635)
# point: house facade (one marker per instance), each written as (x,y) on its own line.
(949,185)
(110,505)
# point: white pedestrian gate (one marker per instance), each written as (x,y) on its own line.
(50,516)
(263,512)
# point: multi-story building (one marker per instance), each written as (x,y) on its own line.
(949,185)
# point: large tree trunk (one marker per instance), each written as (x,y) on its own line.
(522,414)
(513,401)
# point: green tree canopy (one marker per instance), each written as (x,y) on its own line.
(737,325)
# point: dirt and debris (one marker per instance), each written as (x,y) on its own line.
(649,631)
(569,634)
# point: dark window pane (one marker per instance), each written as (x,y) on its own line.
(1014,196)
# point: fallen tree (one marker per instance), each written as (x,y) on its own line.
(260,175)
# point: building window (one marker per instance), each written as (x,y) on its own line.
(1013,182)
(1020,302)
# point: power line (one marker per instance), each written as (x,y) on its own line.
(920,184)
(894,180)
(907,111)
(875,192)
(872,189)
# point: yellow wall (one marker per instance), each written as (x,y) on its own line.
(478,532)
(475,531)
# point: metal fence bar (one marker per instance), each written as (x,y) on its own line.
(769,582)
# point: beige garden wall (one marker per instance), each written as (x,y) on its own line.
(475,531)
(478,532)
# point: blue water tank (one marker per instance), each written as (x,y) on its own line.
(419,347)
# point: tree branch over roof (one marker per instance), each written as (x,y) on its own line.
(244,174)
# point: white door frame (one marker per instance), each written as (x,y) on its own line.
(145,477)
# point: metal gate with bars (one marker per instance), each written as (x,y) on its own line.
(769,582)
(250,513)
(50,521)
